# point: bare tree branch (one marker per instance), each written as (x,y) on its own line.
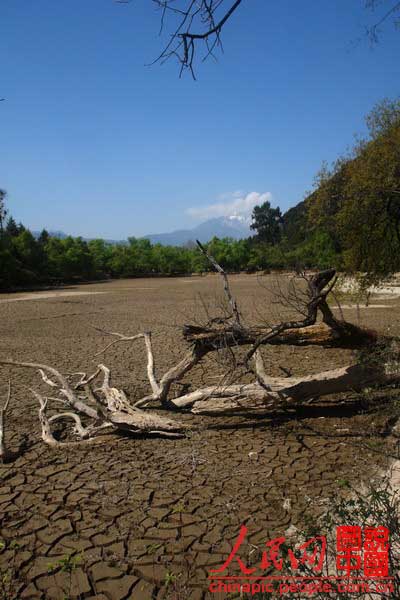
(373,31)
(194,21)
(227,289)
(64,386)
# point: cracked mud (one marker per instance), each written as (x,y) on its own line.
(147,518)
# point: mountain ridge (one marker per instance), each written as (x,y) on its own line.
(235,226)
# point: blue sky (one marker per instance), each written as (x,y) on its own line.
(97,144)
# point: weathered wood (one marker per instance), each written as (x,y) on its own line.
(113,410)
(146,422)
(63,385)
(345,335)
(278,392)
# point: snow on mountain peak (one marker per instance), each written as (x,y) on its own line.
(239,218)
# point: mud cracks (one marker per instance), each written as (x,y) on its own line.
(148,518)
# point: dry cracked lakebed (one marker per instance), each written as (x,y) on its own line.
(148,518)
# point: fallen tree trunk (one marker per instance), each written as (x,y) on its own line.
(344,335)
(281,392)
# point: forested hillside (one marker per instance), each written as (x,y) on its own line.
(357,201)
(351,221)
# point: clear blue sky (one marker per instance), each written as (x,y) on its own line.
(95,143)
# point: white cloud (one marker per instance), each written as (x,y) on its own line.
(236,203)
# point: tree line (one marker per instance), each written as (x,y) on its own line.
(350,221)
(28,260)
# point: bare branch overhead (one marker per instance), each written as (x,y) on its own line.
(393,12)
(192,22)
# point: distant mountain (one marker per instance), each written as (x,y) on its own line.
(237,227)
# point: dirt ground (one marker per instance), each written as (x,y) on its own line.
(148,518)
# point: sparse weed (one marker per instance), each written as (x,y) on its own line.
(343,483)
(179,507)
(169,578)
(67,564)
(152,548)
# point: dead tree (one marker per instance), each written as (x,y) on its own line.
(96,408)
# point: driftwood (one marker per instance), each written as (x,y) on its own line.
(106,406)
(95,407)
(274,392)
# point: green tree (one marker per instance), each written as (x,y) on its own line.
(78,262)
(12,228)
(357,202)
(219,250)
(198,262)
(101,254)
(171,260)
(31,256)
(10,268)
(3,210)
(118,263)
(267,222)
(43,237)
